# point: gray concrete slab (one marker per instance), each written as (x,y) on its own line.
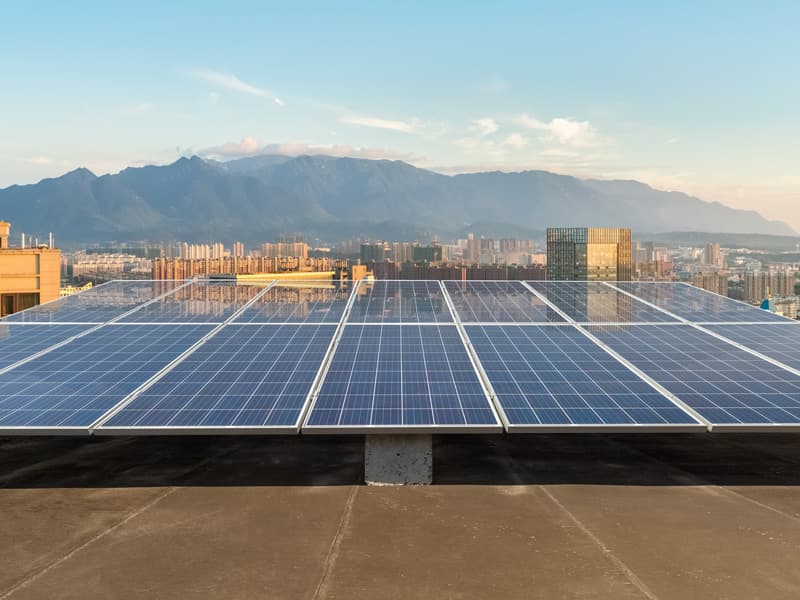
(527,516)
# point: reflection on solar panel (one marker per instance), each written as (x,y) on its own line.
(407,377)
(498,302)
(557,378)
(595,302)
(243,377)
(201,302)
(21,341)
(74,385)
(299,303)
(400,302)
(96,305)
(779,342)
(724,384)
(696,305)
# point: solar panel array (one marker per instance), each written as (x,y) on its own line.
(396,356)
(595,302)
(696,305)
(407,376)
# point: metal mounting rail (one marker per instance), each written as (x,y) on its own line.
(494,403)
(316,386)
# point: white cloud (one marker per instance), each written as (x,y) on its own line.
(378,123)
(516,140)
(247,146)
(250,146)
(230,81)
(485,126)
(579,134)
(672,140)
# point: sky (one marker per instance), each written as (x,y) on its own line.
(700,97)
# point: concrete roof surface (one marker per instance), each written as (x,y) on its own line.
(509,516)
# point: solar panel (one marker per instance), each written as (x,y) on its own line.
(405,378)
(780,342)
(21,341)
(306,302)
(696,305)
(595,302)
(556,378)
(724,384)
(400,302)
(244,377)
(74,385)
(98,304)
(200,302)
(498,302)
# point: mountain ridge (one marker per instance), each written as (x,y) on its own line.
(333,198)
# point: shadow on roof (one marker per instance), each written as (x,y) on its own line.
(552,459)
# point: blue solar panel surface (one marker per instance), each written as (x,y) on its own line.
(695,304)
(96,305)
(779,342)
(74,385)
(299,303)
(201,302)
(244,376)
(724,384)
(409,376)
(21,341)
(400,302)
(498,302)
(594,302)
(556,376)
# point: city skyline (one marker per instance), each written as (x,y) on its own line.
(687,98)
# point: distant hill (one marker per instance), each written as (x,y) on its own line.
(255,198)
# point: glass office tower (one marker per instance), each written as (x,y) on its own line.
(589,254)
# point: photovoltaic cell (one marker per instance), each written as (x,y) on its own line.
(400,302)
(594,302)
(96,305)
(779,342)
(723,383)
(401,376)
(498,302)
(696,305)
(299,303)
(74,385)
(244,376)
(201,302)
(21,341)
(553,377)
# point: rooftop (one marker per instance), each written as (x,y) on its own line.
(509,516)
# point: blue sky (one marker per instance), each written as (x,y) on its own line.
(701,97)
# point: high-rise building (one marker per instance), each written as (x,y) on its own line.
(28,276)
(759,285)
(238,250)
(374,251)
(589,254)
(430,254)
(713,282)
(712,255)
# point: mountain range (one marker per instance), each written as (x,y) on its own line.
(253,199)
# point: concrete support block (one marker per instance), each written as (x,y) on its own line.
(398,460)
